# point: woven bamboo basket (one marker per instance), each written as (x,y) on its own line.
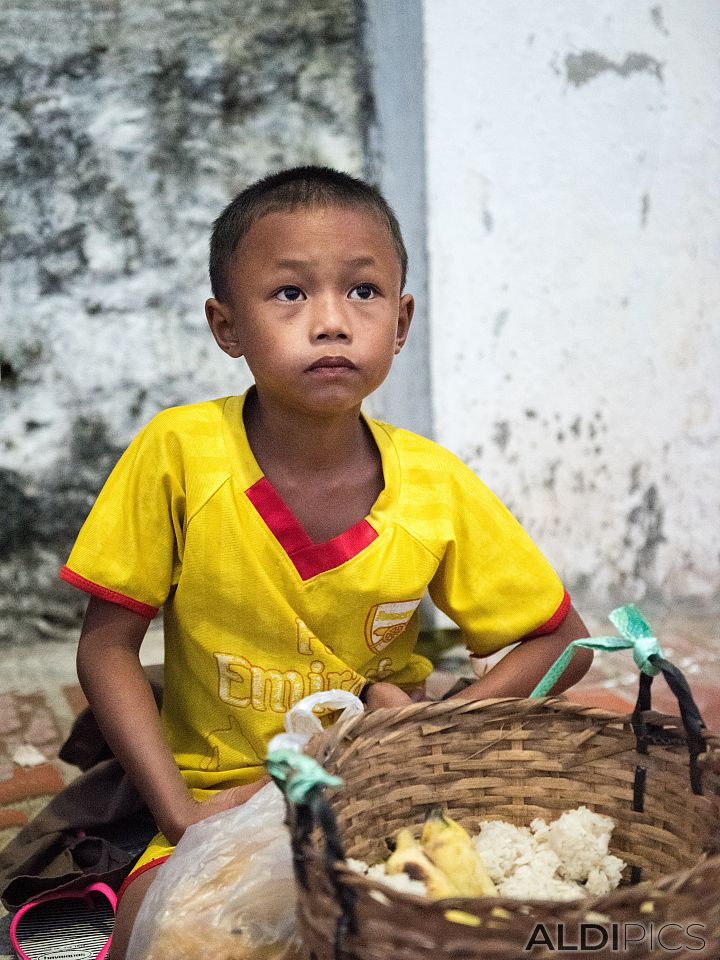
(514,760)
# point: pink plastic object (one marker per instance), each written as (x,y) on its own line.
(44,933)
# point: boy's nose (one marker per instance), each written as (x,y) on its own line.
(330,322)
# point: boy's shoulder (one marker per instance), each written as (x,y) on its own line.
(187,426)
(437,493)
(441,498)
(435,483)
(418,453)
(189,436)
(187,416)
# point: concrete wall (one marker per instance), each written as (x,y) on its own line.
(394,48)
(573,237)
(125,127)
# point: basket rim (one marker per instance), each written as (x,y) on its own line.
(438,709)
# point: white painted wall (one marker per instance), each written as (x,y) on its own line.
(573,154)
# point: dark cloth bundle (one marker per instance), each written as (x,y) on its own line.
(93,830)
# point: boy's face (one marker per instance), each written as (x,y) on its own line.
(315,307)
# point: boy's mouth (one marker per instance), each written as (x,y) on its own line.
(332,363)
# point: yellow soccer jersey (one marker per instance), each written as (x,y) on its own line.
(257,615)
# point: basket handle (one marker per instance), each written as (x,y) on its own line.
(689,713)
(302,781)
(637,635)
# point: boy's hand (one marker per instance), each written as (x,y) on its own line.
(380,695)
(198,810)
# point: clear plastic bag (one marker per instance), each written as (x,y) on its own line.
(228,890)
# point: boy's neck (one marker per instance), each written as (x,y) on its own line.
(288,441)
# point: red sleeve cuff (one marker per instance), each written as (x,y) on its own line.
(555,620)
(97,590)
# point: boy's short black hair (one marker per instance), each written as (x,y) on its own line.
(298,186)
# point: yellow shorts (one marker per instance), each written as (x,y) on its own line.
(156,853)
(159,848)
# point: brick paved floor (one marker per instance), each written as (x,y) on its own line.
(39,699)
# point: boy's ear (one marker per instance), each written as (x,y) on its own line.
(222,323)
(405,315)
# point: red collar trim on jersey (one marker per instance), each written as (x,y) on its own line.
(308,558)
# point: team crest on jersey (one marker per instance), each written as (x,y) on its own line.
(386,622)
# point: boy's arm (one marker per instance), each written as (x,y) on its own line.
(517,674)
(121,699)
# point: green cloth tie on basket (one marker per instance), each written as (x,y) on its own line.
(297,774)
(636,635)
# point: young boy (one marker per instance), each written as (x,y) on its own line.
(288,538)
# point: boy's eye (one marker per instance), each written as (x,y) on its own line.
(363,291)
(289,294)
